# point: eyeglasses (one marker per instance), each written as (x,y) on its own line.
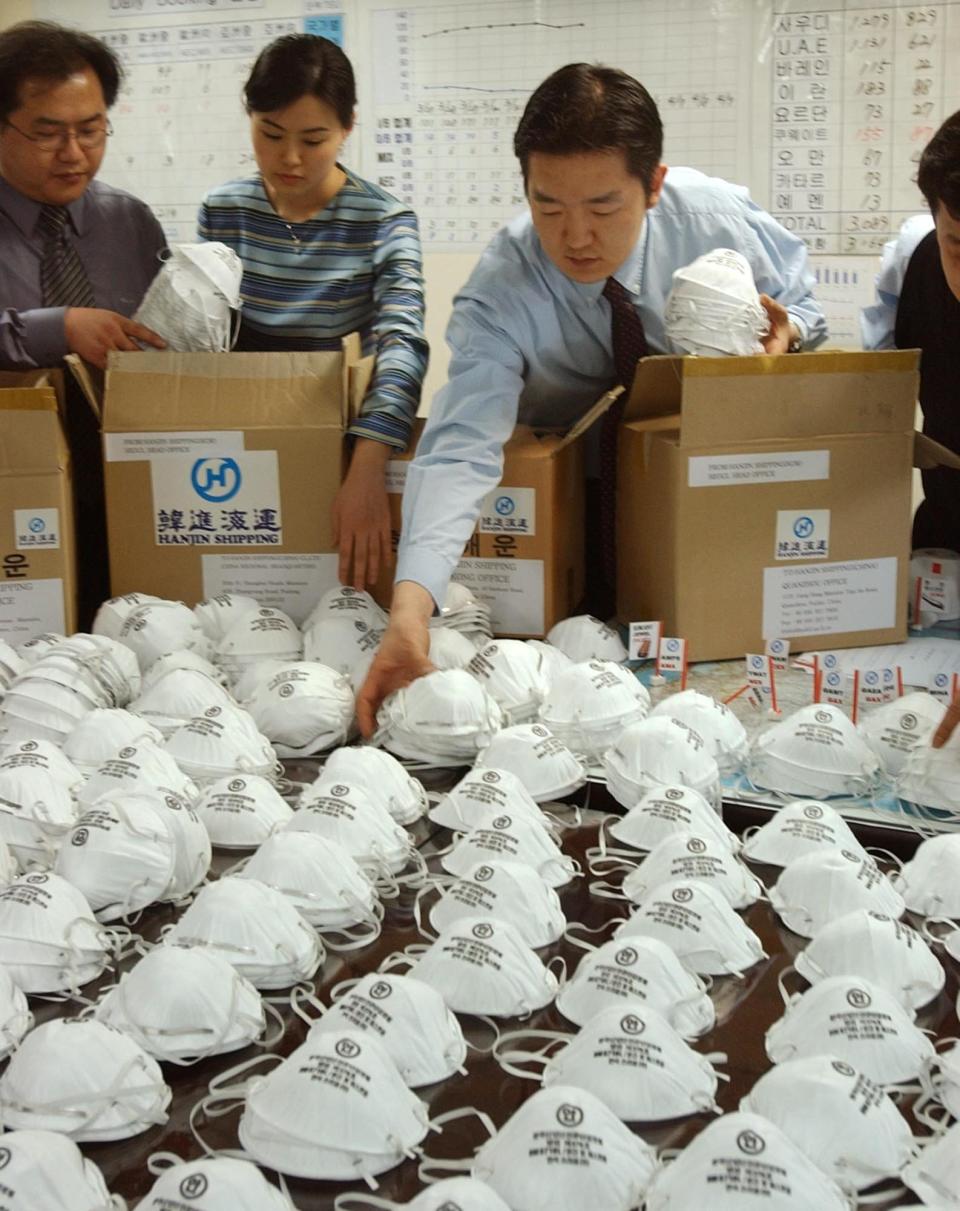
(87,137)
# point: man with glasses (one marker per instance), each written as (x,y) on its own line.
(76,256)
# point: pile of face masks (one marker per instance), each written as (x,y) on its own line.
(223,740)
(725,735)
(255,636)
(380,775)
(896,728)
(359,822)
(543,764)
(46,1171)
(584,637)
(303,709)
(797,830)
(814,753)
(588,705)
(659,752)
(215,1183)
(217,614)
(38,802)
(482,788)
(449,649)
(176,697)
(343,631)
(514,674)
(462,612)
(444,718)
(713,308)
(515,840)
(159,627)
(191,300)
(241,812)
(820,887)
(97,737)
(146,767)
(511,892)
(930,777)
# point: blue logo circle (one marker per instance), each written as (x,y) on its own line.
(37,525)
(940,680)
(803,527)
(505,505)
(216,479)
(830,661)
(673,645)
(758,662)
(833,679)
(871,678)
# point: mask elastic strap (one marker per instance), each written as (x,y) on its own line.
(555,819)
(606,891)
(357,936)
(301,995)
(582,943)
(929,932)
(786,996)
(561,964)
(407,957)
(424,891)
(495,1029)
(877,851)
(511,1057)
(344,1202)
(417,877)
(932,1113)
(430,1170)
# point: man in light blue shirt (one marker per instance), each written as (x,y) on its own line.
(530,332)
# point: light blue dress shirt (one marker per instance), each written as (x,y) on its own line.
(529,344)
(878,321)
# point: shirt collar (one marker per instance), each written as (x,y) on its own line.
(24,212)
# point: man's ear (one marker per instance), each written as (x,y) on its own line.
(656,185)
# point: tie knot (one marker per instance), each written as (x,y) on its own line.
(614,292)
(52,221)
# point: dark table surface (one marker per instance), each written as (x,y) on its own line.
(745,1009)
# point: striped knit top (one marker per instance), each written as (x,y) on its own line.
(354,267)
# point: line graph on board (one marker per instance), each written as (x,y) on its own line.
(449,91)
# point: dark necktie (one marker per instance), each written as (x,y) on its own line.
(629,345)
(63,279)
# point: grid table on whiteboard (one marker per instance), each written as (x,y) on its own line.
(858,89)
(452,81)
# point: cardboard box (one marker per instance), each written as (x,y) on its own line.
(769,497)
(525,557)
(37,554)
(221,470)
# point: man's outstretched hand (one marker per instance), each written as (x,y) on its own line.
(403,655)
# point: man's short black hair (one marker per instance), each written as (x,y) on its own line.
(939,172)
(299,65)
(44,50)
(586,107)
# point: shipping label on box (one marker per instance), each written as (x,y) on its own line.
(509,511)
(37,529)
(217,501)
(512,588)
(292,583)
(31,607)
(830,598)
(802,534)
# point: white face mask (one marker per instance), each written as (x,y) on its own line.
(510,892)
(934,1174)
(450,649)
(896,728)
(836,1116)
(39,646)
(15,1016)
(345,601)
(698,925)
(181,660)
(743,1162)
(121,855)
(49,939)
(191,299)
(356,821)
(254,928)
(713,309)
(263,634)
(688,857)
(877,948)
(221,741)
(828,884)
(109,666)
(178,696)
(217,614)
(335,1110)
(930,777)
(111,616)
(797,830)
(304,709)
(483,790)
(541,762)
(138,767)
(345,643)
(42,755)
(511,839)
(182,1005)
(445,717)
(97,737)
(407,1017)
(941,1079)
(37,810)
(564,1148)
(153,630)
(513,673)
(322,882)
(452,1194)
(584,637)
(464,613)
(589,704)
(815,752)
(46,1171)
(373,770)
(193,849)
(626,972)
(85,1080)
(725,735)
(855,1021)
(215,1183)
(667,811)
(482,965)
(659,752)
(629,1056)
(928,882)
(241,812)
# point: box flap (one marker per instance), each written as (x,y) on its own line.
(657,387)
(90,380)
(153,391)
(928,454)
(592,416)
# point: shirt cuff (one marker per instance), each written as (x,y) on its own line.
(422,568)
(801,327)
(44,336)
(381,428)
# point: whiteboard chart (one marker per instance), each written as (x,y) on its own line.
(452,81)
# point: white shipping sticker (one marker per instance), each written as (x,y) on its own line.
(31,607)
(210,502)
(37,529)
(138,447)
(802,534)
(778,466)
(512,588)
(830,598)
(509,511)
(292,583)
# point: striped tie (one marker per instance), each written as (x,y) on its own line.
(63,279)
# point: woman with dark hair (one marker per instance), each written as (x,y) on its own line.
(326,253)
